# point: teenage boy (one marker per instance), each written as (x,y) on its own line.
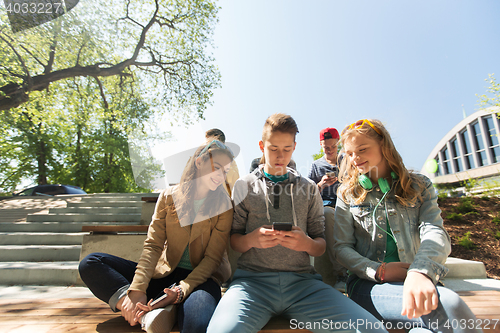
(274,275)
(324,172)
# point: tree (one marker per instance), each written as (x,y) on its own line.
(318,155)
(71,91)
(161,43)
(493,90)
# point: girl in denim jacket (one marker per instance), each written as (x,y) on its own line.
(389,234)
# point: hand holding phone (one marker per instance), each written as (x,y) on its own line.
(161,296)
(282,226)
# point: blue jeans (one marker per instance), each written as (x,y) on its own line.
(108,277)
(253,298)
(385,301)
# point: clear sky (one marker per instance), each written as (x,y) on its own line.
(411,64)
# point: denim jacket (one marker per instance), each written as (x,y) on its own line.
(420,236)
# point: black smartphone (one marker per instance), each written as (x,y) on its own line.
(161,296)
(282,226)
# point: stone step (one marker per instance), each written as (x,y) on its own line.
(40,252)
(41,238)
(105,195)
(94,199)
(465,269)
(52,226)
(71,217)
(105,203)
(96,210)
(39,273)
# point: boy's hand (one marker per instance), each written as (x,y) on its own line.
(295,240)
(264,237)
(327,181)
(419,295)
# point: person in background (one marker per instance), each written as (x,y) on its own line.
(233,174)
(323,173)
(389,234)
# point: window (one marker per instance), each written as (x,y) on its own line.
(438,172)
(455,152)
(492,138)
(478,139)
(469,160)
(446,161)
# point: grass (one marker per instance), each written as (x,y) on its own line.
(454,216)
(466,205)
(466,242)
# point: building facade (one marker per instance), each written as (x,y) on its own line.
(470,150)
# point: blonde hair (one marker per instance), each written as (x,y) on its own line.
(278,122)
(351,191)
(184,196)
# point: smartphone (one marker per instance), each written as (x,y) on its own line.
(161,296)
(331,174)
(282,226)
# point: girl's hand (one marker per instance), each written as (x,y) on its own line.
(395,271)
(141,308)
(295,240)
(419,295)
(128,307)
(263,238)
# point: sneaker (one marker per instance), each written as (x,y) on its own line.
(160,320)
(340,285)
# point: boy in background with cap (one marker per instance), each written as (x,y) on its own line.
(324,172)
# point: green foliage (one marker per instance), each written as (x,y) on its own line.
(493,99)
(497,235)
(442,195)
(466,242)
(496,220)
(318,155)
(485,198)
(117,64)
(454,216)
(466,205)
(469,184)
(472,213)
(488,231)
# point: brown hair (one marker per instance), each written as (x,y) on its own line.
(279,122)
(184,195)
(350,189)
(215,134)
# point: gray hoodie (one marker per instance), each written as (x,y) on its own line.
(299,202)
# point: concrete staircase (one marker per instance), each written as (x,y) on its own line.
(45,249)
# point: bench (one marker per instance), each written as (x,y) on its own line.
(110,239)
(148,208)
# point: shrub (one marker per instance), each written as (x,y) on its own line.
(485,198)
(466,242)
(454,216)
(466,205)
(472,213)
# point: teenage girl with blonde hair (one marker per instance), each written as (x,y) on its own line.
(389,234)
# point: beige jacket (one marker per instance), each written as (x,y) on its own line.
(167,240)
